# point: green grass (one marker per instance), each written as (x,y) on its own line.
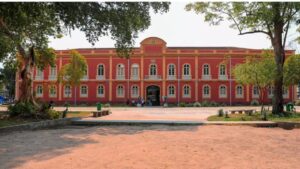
(256,117)
(11,122)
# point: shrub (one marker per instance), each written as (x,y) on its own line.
(197,104)
(189,105)
(223,105)
(220,112)
(182,104)
(254,103)
(214,104)
(226,114)
(52,114)
(23,109)
(106,105)
(205,103)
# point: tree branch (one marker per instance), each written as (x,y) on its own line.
(256,31)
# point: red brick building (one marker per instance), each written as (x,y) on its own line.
(183,74)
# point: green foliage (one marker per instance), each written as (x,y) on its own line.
(52,114)
(8,74)
(270,18)
(254,103)
(23,109)
(197,104)
(205,103)
(292,70)
(220,112)
(182,104)
(72,72)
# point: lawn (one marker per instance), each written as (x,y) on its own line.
(256,117)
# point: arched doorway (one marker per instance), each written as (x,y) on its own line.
(153,95)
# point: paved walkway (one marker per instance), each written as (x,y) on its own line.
(159,113)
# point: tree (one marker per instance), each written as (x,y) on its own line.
(257,71)
(8,75)
(25,29)
(270,18)
(292,70)
(72,73)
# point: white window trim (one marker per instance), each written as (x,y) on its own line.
(169,70)
(138,91)
(239,96)
(209,74)
(70,95)
(120,75)
(117,93)
(87,91)
(183,94)
(100,95)
(205,95)
(100,77)
(156,71)
(171,95)
(39,94)
(287,94)
(135,77)
(222,95)
(255,96)
(51,76)
(53,95)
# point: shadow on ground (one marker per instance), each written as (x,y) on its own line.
(19,147)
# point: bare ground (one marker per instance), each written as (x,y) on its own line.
(158,147)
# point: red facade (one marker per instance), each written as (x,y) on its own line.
(154,72)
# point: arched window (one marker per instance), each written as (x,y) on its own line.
(52,73)
(222,70)
(186,69)
(270,91)
(285,92)
(222,91)
(83,91)
(135,71)
(39,91)
(100,91)
(206,91)
(171,70)
(171,91)
(120,91)
(100,71)
(134,91)
(120,71)
(52,91)
(239,91)
(206,70)
(39,74)
(186,91)
(255,92)
(85,77)
(153,69)
(67,91)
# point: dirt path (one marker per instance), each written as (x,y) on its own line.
(156,147)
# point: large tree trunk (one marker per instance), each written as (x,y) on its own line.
(279,60)
(27,60)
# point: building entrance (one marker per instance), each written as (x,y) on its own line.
(153,96)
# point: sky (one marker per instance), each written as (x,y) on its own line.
(179,27)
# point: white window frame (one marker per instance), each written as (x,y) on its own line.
(53,72)
(100,71)
(39,91)
(120,93)
(186,88)
(238,89)
(52,95)
(270,92)
(103,90)
(153,70)
(39,74)
(66,95)
(221,94)
(173,94)
(254,94)
(120,71)
(285,93)
(87,91)
(135,71)
(134,91)
(204,93)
